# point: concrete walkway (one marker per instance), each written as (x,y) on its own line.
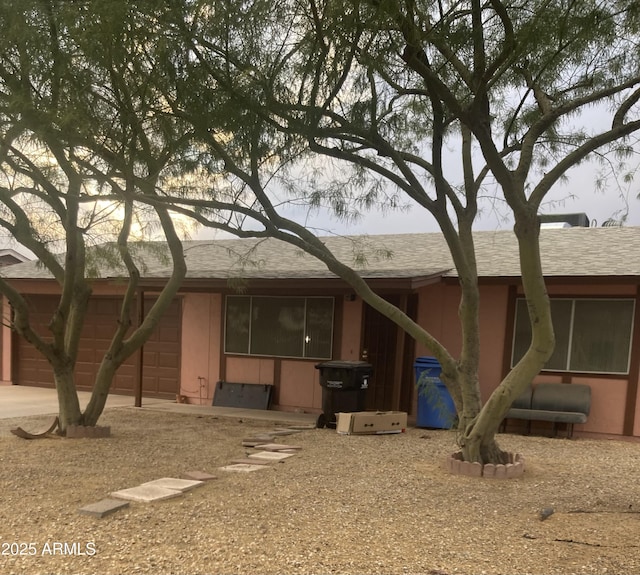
(21,401)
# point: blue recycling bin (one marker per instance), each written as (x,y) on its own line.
(436,409)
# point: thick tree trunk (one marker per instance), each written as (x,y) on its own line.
(469,362)
(469,385)
(69,412)
(486,450)
(478,442)
(104,377)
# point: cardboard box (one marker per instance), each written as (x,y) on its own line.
(371,422)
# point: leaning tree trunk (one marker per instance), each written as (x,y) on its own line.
(69,412)
(479,443)
(104,378)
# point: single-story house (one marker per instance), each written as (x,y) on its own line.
(263,312)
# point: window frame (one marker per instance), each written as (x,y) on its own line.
(573,300)
(304,334)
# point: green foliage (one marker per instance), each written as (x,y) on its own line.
(349,104)
(84,131)
(231,111)
(387,89)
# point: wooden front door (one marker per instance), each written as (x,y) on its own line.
(379,349)
(391,353)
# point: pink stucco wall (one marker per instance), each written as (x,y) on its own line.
(438,311)
(438,314)
(636,427)
(608,398)
(201,341)
(298,386)
(251,370)
(493,330)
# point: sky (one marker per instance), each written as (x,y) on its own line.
(599,207)
(577,195)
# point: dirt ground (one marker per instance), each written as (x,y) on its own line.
(343,504)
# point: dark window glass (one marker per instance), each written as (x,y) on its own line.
(592,335)
(237,324)
(601,336)
(279,326)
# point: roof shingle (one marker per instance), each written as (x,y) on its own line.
(565,252)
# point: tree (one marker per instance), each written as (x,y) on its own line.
(389,88)
(79,139)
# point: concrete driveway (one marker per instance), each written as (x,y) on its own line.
(21,401)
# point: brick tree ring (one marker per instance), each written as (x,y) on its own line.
(515,468)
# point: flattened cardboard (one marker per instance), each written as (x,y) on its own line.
(371,422)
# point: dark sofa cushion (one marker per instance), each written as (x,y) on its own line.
(568,397)
(523,401)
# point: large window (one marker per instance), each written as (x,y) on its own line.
(279,326)
(592,335)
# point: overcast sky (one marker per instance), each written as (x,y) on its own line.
(577,195)
(598,206)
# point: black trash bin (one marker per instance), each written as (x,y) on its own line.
(344,388)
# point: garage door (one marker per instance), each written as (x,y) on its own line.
(161,353)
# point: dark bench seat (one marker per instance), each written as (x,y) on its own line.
(553,402)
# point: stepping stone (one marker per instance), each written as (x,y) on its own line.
(265,437)
(103,508)
(243,467)
(270,455)
(248,461)
(146,493)
(252,443)
(279,447)
(171,483)
(199,476)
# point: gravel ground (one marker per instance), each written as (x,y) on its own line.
(343,504)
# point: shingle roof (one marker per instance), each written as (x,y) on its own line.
(566,252)
(607,251)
